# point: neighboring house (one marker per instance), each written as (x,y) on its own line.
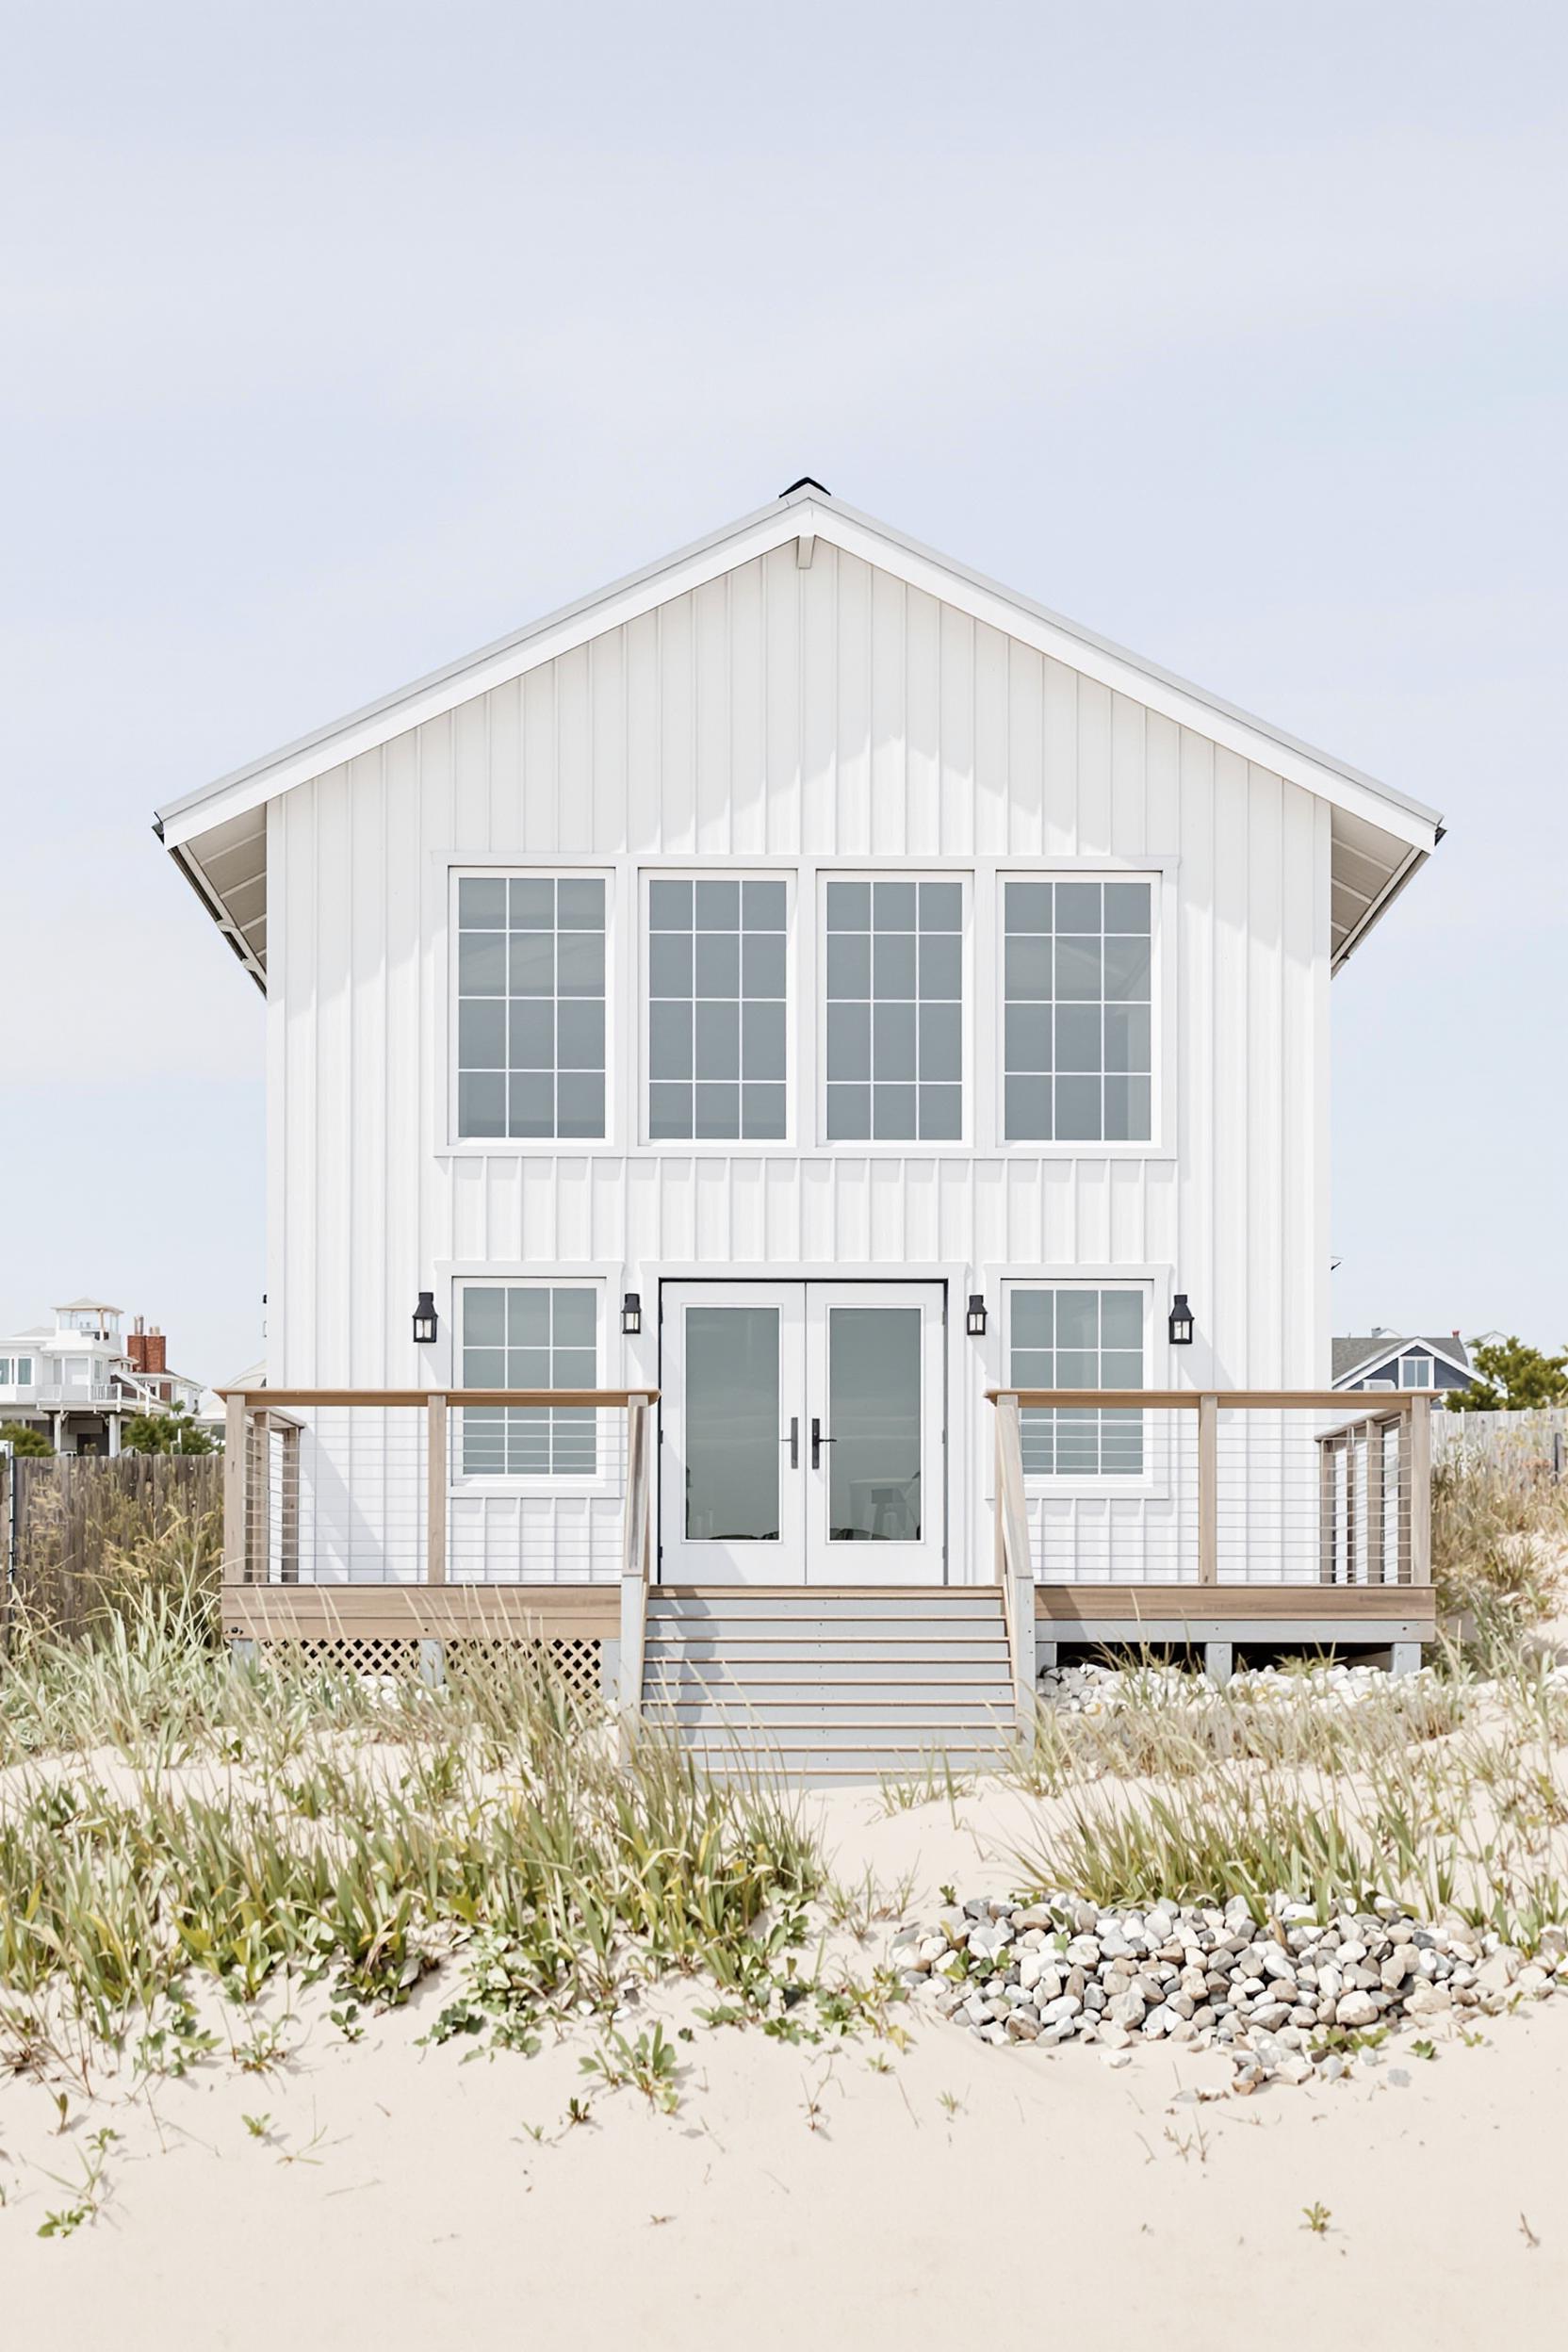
(815,981)
(81,1378)
(1384,1361)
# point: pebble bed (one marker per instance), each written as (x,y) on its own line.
(1090,1689)
(1295,2001)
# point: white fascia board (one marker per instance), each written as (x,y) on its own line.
(1113,666)
(802,513)
(494,664)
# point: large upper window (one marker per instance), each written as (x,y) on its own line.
(894,1046)
(1077,1024)
(1078,1336)
(528,1336)
(531,998)
(1417,1372)
(717,1001)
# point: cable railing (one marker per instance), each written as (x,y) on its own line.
(1237,1487)
(479,1487)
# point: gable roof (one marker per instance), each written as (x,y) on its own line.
(1352,1355)
(216,834)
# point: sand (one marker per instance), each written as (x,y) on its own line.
(799,2197)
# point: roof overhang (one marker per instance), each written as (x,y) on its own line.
(217,834)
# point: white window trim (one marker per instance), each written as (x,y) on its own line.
(1408,1365)
(548,869)
(719,869)
(1160,874)
(515,1483)
(892,870)
(983,984)
(1153,1482)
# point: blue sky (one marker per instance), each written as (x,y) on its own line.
(340,339)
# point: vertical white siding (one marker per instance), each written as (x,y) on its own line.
(825,711)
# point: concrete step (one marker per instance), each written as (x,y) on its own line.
(869,1764)
(913,1718)
(789,1679)
(809,1600)
(896,1657)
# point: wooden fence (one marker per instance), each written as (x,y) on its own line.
(1528,1446)
(81,1531)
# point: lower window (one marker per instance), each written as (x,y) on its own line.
(529,1335)
(1078,1335)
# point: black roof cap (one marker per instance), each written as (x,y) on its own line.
(807,482)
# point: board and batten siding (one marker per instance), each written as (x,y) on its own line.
(825,711)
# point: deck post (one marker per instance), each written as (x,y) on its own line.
(1218,1659)
(435,1490)
(235,1556)
(1016,1572)
(636,1552)
(1208,1490)
(1421,1490)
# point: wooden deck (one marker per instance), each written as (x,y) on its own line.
(421,1612)
(1370,1615)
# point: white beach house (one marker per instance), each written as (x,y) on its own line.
(79,1380)
(817,990)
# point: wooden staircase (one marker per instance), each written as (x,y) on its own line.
(824,1683)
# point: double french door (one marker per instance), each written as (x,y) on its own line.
(802,1428)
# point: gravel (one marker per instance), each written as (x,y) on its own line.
(1294,2001)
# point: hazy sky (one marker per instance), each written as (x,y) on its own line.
(340,338)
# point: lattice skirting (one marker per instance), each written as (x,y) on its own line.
(577,1661)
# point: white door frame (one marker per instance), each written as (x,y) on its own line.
(805,1551)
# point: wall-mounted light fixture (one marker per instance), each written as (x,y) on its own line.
(425,1321)
(1181,1321)
(974,1322)
(632,1314)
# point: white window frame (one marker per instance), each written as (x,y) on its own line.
(1159,874)
(1408,1365)
(722,869)
(606,1479)
(822,872)
(552,870)
(1153,1479)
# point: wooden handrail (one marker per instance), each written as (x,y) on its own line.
(1238,1399)
(411,1397)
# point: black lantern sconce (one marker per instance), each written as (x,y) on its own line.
(632,1314)
(425,1321)
(1181,1321)
(974,1322)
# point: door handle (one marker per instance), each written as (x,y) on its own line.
(818,1442)
(792,1441)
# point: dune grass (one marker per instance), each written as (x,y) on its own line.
(168,1818)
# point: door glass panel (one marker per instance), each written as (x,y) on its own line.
(734,1454)
(873,1419)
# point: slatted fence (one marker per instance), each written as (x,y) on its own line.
(81,1532)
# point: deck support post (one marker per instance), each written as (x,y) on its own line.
(1045,1656)
(1208,1490)
(610,1670)
(435,1490)
(1420,1490)
(432,1664)
(1218,1659)
(236,1450)
(1404,1657)
(242,1651)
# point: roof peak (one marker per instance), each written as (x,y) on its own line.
(807,482)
